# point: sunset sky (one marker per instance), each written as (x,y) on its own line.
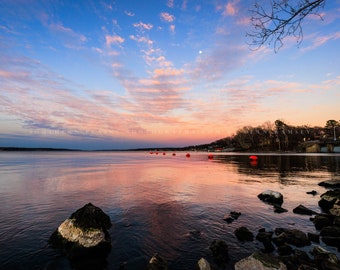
(125,74)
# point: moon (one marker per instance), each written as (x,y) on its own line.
(200,52)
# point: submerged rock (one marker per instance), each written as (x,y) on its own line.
(84,233)
(232,216)
(243,234)
(260,261)
(220,251)
(271,197)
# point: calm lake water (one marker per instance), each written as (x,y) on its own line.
(172,205)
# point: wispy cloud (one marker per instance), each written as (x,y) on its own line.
(318,40)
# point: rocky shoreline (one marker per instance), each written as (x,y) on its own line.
(85,235)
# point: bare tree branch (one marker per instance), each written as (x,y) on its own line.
(280,19)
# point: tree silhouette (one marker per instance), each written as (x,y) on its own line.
(281,18)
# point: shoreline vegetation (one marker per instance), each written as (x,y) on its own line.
(268,137)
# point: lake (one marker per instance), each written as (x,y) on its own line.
(158,203)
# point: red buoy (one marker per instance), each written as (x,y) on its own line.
(253,157)
(174,154)
(210,156)
(164,154)
(187,155)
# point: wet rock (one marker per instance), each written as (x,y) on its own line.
(322,220)
(243,234)
(296,259)
(313,237)
(157,263)
(266,239)
(334,183)
(335,210)
(328,199)
(285,250)
(278,209)
(303,210)
(306,267)
(203,264)
(271,197)
(332,231)
(260,261)
(220,251)
(325,259)
(84,233)
(292,236)
(313,192)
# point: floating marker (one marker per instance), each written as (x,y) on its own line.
(187,155)
(210,156)
(253,157)
(174,154)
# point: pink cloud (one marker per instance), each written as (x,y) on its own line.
(113,40)
(165,16)
(318,40)
(146,26)
(230,9)
(172,28)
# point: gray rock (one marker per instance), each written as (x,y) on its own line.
(260,261)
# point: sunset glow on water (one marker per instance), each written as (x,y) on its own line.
(155,202)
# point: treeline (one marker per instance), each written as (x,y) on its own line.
(277,136)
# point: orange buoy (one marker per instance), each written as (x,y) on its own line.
(187,155)
(253,157)
(210,156)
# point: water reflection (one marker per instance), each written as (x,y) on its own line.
(168,204)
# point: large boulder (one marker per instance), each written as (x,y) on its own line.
(271,197)
(85,233)
(260,261)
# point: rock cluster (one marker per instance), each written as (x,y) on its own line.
(86,232)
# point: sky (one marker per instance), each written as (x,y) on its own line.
(133,74)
